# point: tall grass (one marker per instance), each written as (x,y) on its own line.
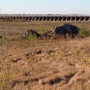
(83,32)
(31,36)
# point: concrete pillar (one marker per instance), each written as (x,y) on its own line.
(34,18)
(40,19)
(86,18)
(77,18)
(44,18)
(81,18)
(53,18)
(37,18)
(49,18)
(63,18)
(72,18)
(27,18)
(68,19)
(57,18)
(89,18)
(23,18)
(30,18)
(60,18)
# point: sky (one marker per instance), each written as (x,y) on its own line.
(45,6)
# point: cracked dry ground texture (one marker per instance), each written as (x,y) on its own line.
(45,65)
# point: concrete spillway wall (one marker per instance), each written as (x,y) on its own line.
(46,17)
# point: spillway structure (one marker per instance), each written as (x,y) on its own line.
(45,17)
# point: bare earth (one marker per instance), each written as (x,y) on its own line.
(43,64)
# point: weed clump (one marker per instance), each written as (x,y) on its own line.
(32,35)
(83,32)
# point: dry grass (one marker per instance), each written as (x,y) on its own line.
(41,24)
(43,64)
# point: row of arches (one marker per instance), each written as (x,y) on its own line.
(43,18)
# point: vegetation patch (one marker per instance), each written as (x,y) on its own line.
(31,36)
(83,32)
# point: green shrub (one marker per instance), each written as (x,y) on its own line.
(31,36)
(83,32)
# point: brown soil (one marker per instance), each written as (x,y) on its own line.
(43,64)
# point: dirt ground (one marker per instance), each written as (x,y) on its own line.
(43,64)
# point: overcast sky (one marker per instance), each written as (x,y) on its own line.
(45,6)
